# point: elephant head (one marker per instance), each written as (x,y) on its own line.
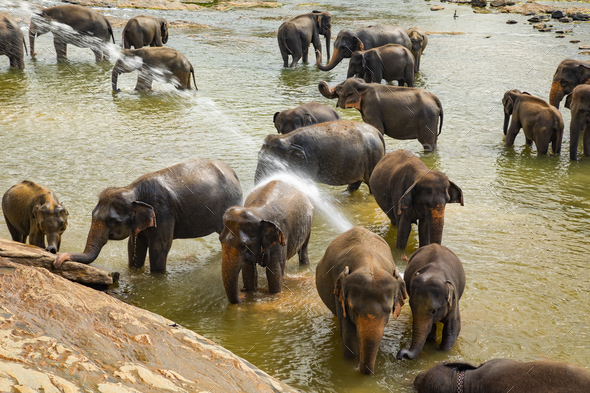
(357,65)
(440,378)
(128,62)
(323,22)
(366,298)
(417,40)
(345,44)
(163,29)
(568,75)
(280,152)
(508,102)
(349,93)
(289,120)
(117,216)
(40,24)
(244,239)
(51,220)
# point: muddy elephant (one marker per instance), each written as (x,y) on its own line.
(503,375)
(347,42)
(334,153)
(182,201)
(12,42)
(303,116)
(541,122)
(273,225)
(409,192)
(167,62)
(419,41)
(569,74)
(390,62)
(33,210)
(357,280)
(396,111)
(435,281)
(295,36)
(577,102)
(144,30)
(74,25)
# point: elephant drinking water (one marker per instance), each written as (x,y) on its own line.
(144,30)
(295,36)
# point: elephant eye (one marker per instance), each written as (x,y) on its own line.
(434,311)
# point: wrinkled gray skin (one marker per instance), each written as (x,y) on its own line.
(295,36)
(569,74)
(396,111)
(419,42)
(541,122)
(32,210)
(409,193)
(390,62)
(12,42)
(579,104)
(91,29)
(334,153)
(435,281)
(144,30)
(505,375)
(357,280)
(146,59)
(348,41)
(183,201)
(303,116)
(274,225)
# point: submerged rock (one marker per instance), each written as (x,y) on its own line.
(437,8)
(557,14)
(498,3)
(566,20)
(479,3)
(511,22)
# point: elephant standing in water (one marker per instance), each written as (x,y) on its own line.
(32,210)
(541,122)
(347,42)
(357,280)
(150,61)
(390,62)
(274,225)
(435,281)
(578,102)
(569,74)
(80,26)
(144,30)
(409,193)
(12,42)
(302,116)
(419,42)
(295,36)
(183,201)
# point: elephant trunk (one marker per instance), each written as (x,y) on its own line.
(556,94)
(32,35)
(97,238)
(370,333)
(438,222)
(231,264)
(115,77)
(420,329)
(328,37)
(326,91)
(53,240)
(336,58)
(417,61)
(506,121)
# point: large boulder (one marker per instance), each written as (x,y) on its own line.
(498,3)
(479,3)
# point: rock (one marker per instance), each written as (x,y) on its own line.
(578,16)
(437,8)
(540,26)
(584,53)
(498,3)
(479,3)
(574,41)
(545,29)
(509,3)
(560,36)
(557,14)
(511,22)
(566,20)
(560,31)
(538,18)
(586,46)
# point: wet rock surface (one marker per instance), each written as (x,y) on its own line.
(172,4)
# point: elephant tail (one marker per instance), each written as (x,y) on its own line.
(111,31)
(194,81)
(283,40)
(441,116)
(558,137)
(25,45)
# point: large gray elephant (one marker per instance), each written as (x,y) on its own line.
(273,225)
(334,153)
(579,104)
(144,30)
(75,25)
(151,61)
(303,116)
(182,201)
(396,111)
(12,42)
(419,41)
(435,281)
(295,36)
(357,280)
(569,74)
(390,62)
(348,41)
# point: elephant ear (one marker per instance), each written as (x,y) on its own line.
(455,194)
(508,104)
(297,151)
(143,217)
(353,100)
(274,118)
(584,73)
(460,365)
(451,294)
(270,234)
(339,288)
(568,101)
(308,119)
(364,58)
(359,44)
(402,294)
(405,201)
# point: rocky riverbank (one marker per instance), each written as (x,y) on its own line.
(174,4)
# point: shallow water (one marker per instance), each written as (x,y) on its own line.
(522,234)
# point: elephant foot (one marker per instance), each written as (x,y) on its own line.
(354,186)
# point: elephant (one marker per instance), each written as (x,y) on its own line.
(577,102)
(397,111)
(419,41)
(273,225)
(541,122)
(390,62)
(358,281)
(12,42)
(295,36)
(334,153)
(144,30)
(569,74)
(79,26)
(503,375)
(182,201)
(33,210)
(302,116)
(151,61)
(347,42)
(435,280)
(409,193)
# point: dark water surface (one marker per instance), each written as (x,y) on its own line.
(522,234)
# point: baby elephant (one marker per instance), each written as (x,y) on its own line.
(302,116)
(144,30)
(357,280)
(174,66)
(409,193)
(504,375)
(390,62)
(12,42)
(33,210)
(578,103)
(541,122)
(419,42)
(435,281)
(274,225)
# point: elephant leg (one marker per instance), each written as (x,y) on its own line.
(512,131)
(432,334)
(350,341)
(586,140)
(250,276)
(423,233)
(16,235)
(354,186)
(451,330)
(427,138)
(144,80)
(137,247)
(528,141)
(159,244)
(296,56)
(97,55)
(303,257)
(401,82)
(13,61)
(542,141)
(404,227)
(275,268)
(61,49)
(305,55)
